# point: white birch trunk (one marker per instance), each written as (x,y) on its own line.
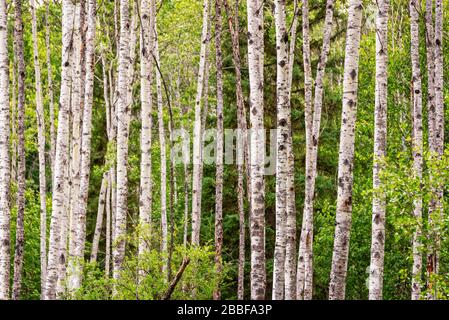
(146,51)
(417,145)
(197,132)
(59,182)
(50,88)
(380,152)
(41,146)
(219,149)
(346,154)
(100,214)
(122,141)
(21,183)
(304,280)
(163,159)
(257,154)
(283,133)
(4,156)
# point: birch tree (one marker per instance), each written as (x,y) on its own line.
(100,214)
(233,24)
(41,145)
(197,132)
(77,255)
(4,155)
(219,148)
(50,88)
(283,132)
(417,145)
(163,158)
(20,231)
(380,144)
(122,140)
(346,154)
(61,152)
(257,154)
(313,124)
(146,51)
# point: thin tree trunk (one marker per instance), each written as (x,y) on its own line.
(305,253)
(380,152)
(432,141)
(122,141)
(257,154)
(20,231)
(107,260)
(79,219)
(41,147)
(346,154)
(197,132)
(439,140)
(290,223)
(283,132)
(76,114)
(163,159)
(243,137)
(100,214)
(4,156)
(219,149)
(50,88)
(61,152)
(146,66)
(417,144)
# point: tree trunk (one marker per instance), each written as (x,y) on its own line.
(346,154)
(283,132)
(417,144)
(79,219)
(20,232)
(146,67)
(4,156)
(61,157)
(243,138)
(219,149)
(313,122)
(163,159)
(100,214)
(50,88)
(122,141)
(41,147)
(436,215)
(197,132)
(257,154)
(380,152)
(290,223)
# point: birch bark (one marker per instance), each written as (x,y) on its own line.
(346,154)
(122,141)
(417,145)
(4,155)
(41,146)
(380,152)
(197,132)
(305,253)
(163,159)
(283,132)
(61,152)
(233,23)
(20,231)
(146,51)
(257,154)
(100,214)
(50,87)
(219,148)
